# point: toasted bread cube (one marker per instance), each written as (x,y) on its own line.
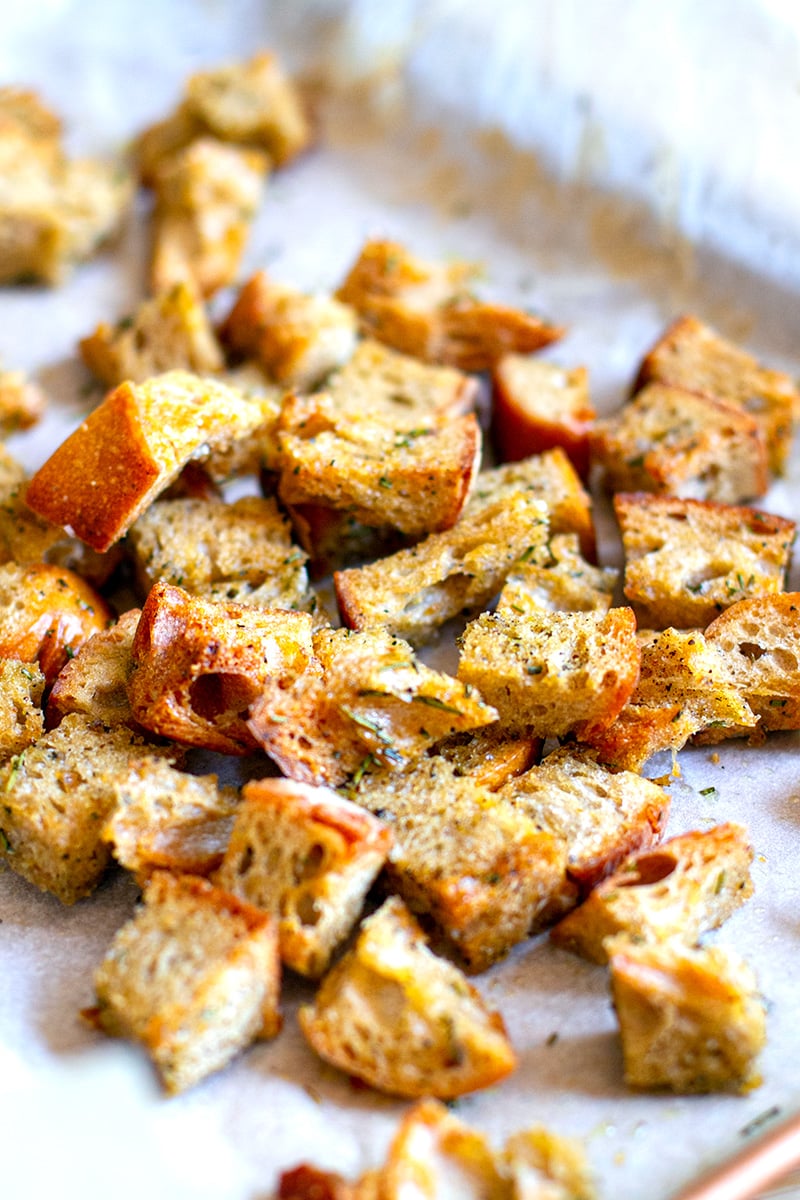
(21,717)
(435,1154)
(364,698)
(377,474)
(95,681)
(194,976)
(553,672)
(199,664)
(427,310)
(306,1182)
(132,447)
(490,756)
(12,475)
(402,1020)
(563,582)
(680,889)
(484,871)
(601,816)
(206,198)
(413,592)
(257,450)
(164,819)
(309,857)
(687,560)
(46,614)
(691,1020)
(538,406)
(240,552)
(57,793)
(22,403)
(407,393)
(170,331)
(683,688)
(544,1166)
(24,114)
(693,356)
(674,441)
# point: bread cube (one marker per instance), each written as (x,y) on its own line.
(433,1145)
(22,402)
(194,976)
(95,681)
(21,717)
(543,1166)
(538,406)
(24,114)
(562,582)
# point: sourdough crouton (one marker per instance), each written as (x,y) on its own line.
(433,1153)
(206,198)
(490,756)
(194,976)
(673,441)
(691,1020)
(167,332)
(402,1020)
(681,889)
(683,688)
(22,402)
(413,592)
(484,871)
(95,681)
(553,672)
(241,552)
(132,447)
(296,339)
(379,475)
(56,795)
(693,356)
(539,405)
(198,665)
(309,857)
(562,582)
(165,819)
(363,699)
(427,310)
(21,718)
(46,614)
(601,816)
(687,560)
(544,1166)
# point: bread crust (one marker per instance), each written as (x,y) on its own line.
(538,406)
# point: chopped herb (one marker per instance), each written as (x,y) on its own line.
(370,726)
(435,702)
(709,791)
(372,692)
(70,653)
(527,555)
(534,669)
(5,844)
(637,461)
(551,1039)
(719,885)
(385,482)
(777,703)
(124,323)
(763,1118)
(16,767)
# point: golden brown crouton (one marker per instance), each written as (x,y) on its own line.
(687,560)
(490,756)
(379,475)
(539,405)
(198,665)
(402,1020)
(673,441)
(95,681)
(364,698)
(194,976)
(309,857)
(21,718)
(434,1153)
(553,672)
(57,794)
(562,582)
(132,447)
(21,402)
(691,355)
(690,1020)
(680,889)
(306,1182)
(206,197)
(543,1166)
(427,310)
(23,113)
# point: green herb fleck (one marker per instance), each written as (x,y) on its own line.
(435,702)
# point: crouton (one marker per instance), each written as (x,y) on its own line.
(57,793)
(206,198)
(256,451)
(601,816)
(335,540)
(22,402)
(46,614)
(427,310)
(484,872)
(132,447)
(673,441)
(379,475)
(241,552)
(691,355)
(402,1020)
(194,976)
(363,699)
(95,681)
(687,560)
(681,889)
(433,1153)
(164,819)
(21,718)
(562,582)
(170,331)
(414,591)
(539,405)
(309,857)
(306,1182)
(197,665)
(691,1020)
(24,114)
(490,756)
(544,1166)
(553,672)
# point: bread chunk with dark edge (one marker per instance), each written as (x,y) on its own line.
(21,717)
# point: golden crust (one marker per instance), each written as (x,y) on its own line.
(538,406)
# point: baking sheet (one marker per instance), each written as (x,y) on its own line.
(398,159)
